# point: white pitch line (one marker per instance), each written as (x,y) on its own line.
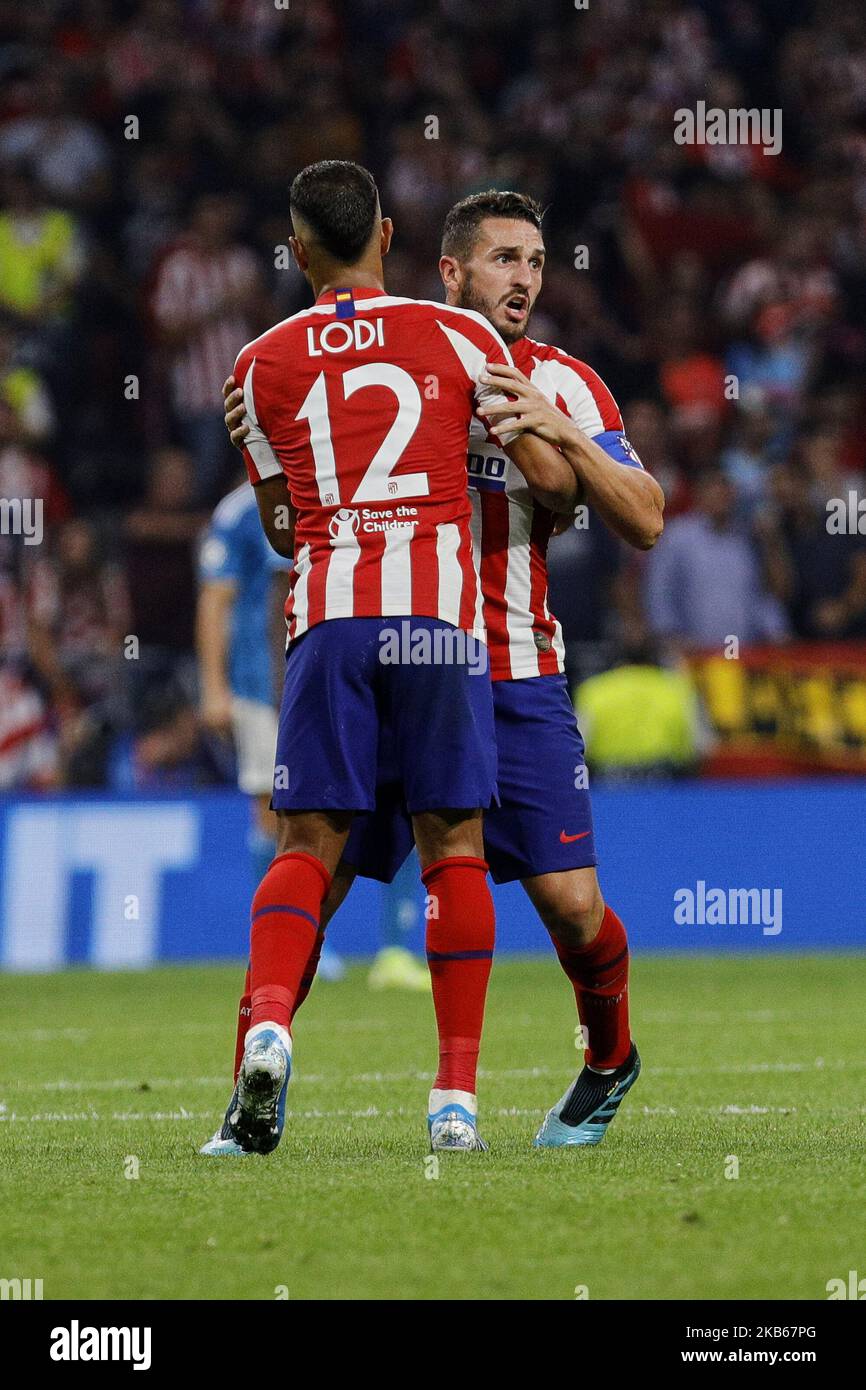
(762,1068)
(373,1112)
(313,1025)
(120,1083)
(370,1112)
(82,1035)
(485,1074)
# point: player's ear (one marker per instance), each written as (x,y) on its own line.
(449,269)
(302,260)
(385,235)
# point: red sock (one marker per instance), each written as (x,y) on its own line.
(599,974)
(244,1010)
(285,924)
(460,938)
(309,974)
(245,1005)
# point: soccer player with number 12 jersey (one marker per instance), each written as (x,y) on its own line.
(362,404)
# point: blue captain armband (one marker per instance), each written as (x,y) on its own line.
(615,443)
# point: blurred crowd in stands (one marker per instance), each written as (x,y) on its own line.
(146,148)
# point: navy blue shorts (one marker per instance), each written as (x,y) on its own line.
(373,702)
(543,823)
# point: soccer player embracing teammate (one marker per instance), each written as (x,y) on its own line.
(358,413)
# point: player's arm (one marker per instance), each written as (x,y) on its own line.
(277,514)
(550,477)
(276,511)
(213,615)
(628,499)
(218,574)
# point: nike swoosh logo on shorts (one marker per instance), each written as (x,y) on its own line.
(568,839)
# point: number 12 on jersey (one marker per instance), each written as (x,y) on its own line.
(377,483)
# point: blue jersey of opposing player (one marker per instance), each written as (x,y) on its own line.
(235,548)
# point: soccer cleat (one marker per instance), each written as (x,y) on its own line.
(583,1114)
(222,1145)
(453,1125)
(396,968)
(256,1123)
(454,1130)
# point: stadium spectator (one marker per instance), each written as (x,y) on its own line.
(639,719)
(28,480)
(78,614)
(28,747)
(159,554)
(24,391)
(747,457)
(704,579)
(780,307)
(206,303)
(41,258)
(818,574)
(582,565)
(68,154)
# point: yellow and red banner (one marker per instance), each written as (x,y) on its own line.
(777,710)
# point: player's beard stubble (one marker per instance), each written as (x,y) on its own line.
(471,297)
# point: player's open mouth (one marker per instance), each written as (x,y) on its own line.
(516,309)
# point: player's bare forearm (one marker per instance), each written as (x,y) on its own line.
(211,639)
(550,477)
(628,500)
(277,515)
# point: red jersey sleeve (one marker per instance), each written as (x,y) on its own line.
(581,394)
(478,344)
(580,391)
(260,459)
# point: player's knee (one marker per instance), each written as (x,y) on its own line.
(443,834)
(575,916)
(321,834)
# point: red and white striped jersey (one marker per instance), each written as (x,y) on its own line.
(191,282)
(510,530)
(364,402)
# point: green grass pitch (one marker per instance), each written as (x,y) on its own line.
(753,1059)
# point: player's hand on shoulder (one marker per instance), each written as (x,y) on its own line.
(526,409)
(235,410)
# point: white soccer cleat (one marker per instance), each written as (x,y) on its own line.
(453,1123)
(256,1124)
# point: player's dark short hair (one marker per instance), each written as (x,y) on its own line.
(463,221)
(339,201)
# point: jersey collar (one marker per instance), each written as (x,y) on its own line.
(359,292)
